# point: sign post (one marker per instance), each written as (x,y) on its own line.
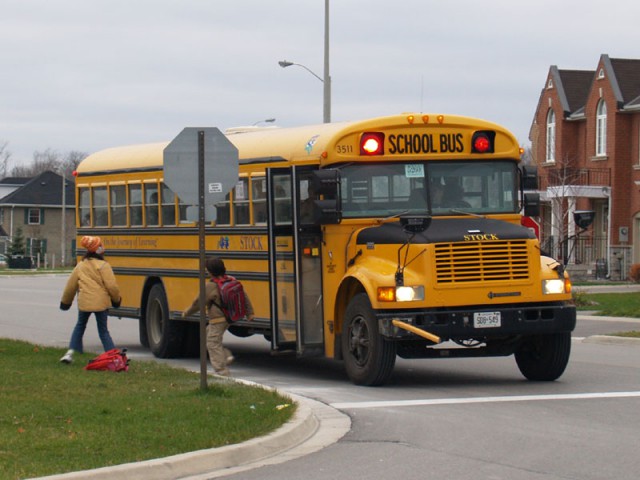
(206,158)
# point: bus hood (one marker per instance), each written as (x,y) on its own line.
(446,230)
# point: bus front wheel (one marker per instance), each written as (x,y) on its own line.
(165,336)
(544,357)
(369,358)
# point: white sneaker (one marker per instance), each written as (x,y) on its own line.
(68,357)
(230,359)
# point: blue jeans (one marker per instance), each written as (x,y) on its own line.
(81,325)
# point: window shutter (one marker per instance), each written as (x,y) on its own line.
(42,216)
(26,216)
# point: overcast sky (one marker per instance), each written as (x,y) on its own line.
(92,74)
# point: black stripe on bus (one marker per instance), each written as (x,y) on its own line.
(184,273)
(190,231)
(156,168)
(225,254)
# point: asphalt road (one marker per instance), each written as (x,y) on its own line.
(447,418)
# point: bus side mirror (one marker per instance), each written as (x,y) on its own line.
(326,212)
(531,204)
(529,177)
(584,218)
(326,182)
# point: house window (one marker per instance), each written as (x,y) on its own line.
(601,129)
(551,136)
(35,216)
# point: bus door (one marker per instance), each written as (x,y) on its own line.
(295,274)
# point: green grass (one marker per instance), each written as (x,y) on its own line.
(57,418)
(631,334)
(610,304)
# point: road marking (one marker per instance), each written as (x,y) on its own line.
(455,401)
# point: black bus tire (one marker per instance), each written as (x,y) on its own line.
(544,357)
(368,357)
(142,330)
(165,336)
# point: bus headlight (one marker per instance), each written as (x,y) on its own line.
(401,294)
(554,286)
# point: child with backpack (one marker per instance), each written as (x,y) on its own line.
(225,302)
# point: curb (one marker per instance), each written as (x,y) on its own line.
(314,426)
(612,340)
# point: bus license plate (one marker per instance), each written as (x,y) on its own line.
(486,319)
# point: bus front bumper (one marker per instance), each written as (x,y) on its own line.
(480,322)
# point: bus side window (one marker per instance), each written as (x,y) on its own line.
(182,211)
(259,199)
(151,204)
(100,209)
(135,204)
(168,206)
(84,206)
(241,202)
(223,212)
(118,205)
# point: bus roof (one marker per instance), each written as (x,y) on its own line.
(270,144)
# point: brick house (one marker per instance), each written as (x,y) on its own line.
(35,205)
(585,140)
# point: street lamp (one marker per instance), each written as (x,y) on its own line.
(326,114)
(266,120)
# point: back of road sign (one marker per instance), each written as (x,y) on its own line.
(220,167)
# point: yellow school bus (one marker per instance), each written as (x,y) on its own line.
(359,241)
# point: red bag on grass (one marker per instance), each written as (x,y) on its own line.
(113,360)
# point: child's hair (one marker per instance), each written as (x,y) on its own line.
(215,266)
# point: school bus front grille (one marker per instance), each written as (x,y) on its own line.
(481,262)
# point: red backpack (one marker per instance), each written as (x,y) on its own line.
(232,296)
(114,360)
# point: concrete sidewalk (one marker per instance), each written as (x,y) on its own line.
(314,426)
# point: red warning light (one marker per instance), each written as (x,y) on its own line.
(372,143)
(482,142)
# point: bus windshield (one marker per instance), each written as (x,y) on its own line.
(386,189)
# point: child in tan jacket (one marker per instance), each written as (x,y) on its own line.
(93,280)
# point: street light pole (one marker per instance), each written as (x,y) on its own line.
(326,79)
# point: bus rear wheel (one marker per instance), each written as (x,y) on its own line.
(165,336)
(544,357)
(368,357)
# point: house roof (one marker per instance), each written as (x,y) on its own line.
(14,180)
(41,190)
(627,75)
(574,85)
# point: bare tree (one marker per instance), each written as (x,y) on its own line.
(5,155)
(561,183)
(50,160)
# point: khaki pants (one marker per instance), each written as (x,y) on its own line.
(217,353)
